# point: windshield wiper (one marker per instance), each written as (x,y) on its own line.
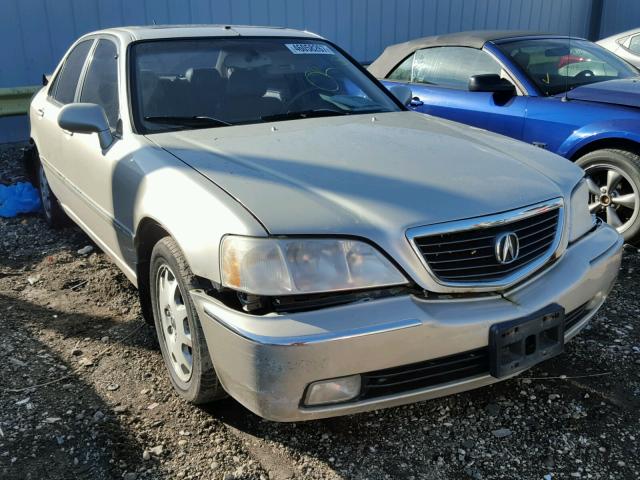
(195,121)
(324,112)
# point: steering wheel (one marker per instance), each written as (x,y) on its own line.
(301,95)
(585,73)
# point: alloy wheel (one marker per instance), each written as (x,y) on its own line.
(176,326)
(613,196)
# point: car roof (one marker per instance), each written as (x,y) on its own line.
(155,32)
(620,35)
(394,54)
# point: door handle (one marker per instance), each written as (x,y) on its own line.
(416,102)
(67,133)
(40,112)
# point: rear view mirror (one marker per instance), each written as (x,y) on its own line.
(557,52)
(86,118)
(402,93)
(491,82)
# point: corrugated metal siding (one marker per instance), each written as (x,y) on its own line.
(34,34)
(618,16)
(38,32)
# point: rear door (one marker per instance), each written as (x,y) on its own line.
(62,90)
(439,78)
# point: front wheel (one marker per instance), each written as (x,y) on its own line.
(182,342)
(613,177)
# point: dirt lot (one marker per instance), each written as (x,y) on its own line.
(83,393)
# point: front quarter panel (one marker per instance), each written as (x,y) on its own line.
(193,210)
(624,129)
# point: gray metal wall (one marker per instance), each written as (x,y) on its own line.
(35,33)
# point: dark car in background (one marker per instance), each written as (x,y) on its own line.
(567,95)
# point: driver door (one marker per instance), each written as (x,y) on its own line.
(439,78)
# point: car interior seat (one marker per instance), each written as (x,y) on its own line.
(203,93)
(245,97)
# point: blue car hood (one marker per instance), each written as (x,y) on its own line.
(619,92)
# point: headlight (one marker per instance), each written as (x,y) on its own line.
(271,266)
(580,219)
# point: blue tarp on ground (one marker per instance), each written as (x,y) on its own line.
(18,198)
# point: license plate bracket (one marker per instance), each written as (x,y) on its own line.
(519,344)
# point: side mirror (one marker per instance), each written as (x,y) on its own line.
(46,78)
(491,82)
(402,93)
(86,118)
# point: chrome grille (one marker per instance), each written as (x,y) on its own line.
(464,253)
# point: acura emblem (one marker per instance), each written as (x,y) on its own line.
(507,247)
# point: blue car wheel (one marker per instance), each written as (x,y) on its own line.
(614,185)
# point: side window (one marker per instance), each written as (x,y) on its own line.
(403,71)
(634,44)
(101,81)
(451,67)
(66,82)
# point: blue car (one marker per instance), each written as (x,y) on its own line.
(567,95)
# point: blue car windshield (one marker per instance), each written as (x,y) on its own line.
(557,65)
(217,82)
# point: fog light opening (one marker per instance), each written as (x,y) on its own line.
(334,390)
(596,300)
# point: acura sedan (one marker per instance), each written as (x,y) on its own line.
(301,240)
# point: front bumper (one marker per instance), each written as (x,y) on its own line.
(267,362)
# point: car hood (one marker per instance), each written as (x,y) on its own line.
(617,92)
(355,174)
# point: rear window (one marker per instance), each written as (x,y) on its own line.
(66,82)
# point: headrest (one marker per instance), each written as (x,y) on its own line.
(522,59)
(246,60)
(203,75)
(148,79)
(245,82)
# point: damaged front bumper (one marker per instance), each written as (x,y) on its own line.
(267,362)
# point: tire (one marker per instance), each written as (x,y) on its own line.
(614,185)
(53,212)
(177,324)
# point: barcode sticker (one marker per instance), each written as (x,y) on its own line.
(309,49)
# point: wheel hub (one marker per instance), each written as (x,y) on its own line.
(176,329)
(605,199)
(613,196)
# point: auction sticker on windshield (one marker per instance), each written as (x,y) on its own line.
(309,49)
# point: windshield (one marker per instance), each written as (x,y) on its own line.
(557,65)
(217,82)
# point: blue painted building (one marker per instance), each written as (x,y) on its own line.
(618,16)
(34,34)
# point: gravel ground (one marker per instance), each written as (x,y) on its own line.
(83,393)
